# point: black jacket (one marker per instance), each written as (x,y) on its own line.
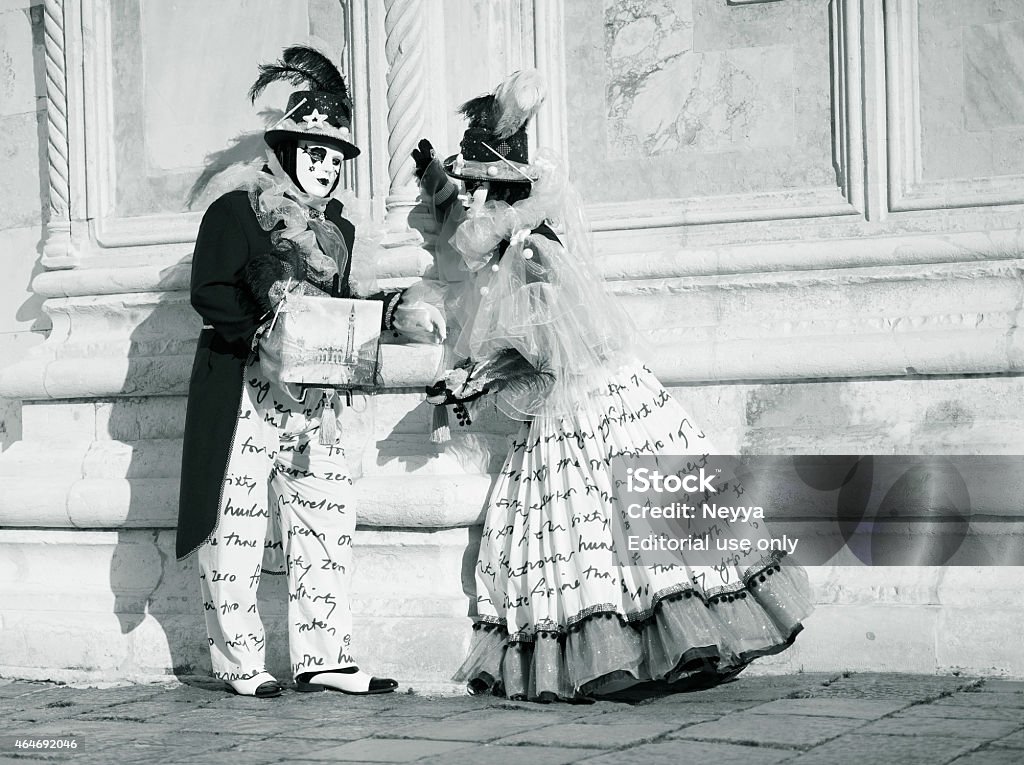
(229,237)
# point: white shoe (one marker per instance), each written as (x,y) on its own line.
(357,683)
(262,685)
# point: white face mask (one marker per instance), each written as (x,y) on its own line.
(317,168)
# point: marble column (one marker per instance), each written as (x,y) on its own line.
(404,26)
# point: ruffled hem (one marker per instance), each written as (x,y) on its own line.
(686,638)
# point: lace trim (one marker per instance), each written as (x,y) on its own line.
(392,305)
(752,577)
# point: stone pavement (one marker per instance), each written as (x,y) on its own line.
(802,719)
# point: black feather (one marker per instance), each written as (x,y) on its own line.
(260,274)
(299,65)
(509,371)
(481,112)
(289,253)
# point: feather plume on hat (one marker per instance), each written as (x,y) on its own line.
(321,112)
(512,104)
(518,98)
(299,65)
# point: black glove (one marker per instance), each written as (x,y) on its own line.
(422,155)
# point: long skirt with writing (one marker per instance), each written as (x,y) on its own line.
(561,614)
(285,508)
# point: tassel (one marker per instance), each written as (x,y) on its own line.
(440,431)
(328,421)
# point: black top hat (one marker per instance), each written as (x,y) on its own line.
(495,146)
(322,114)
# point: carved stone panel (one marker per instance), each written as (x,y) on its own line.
(165,87)
(956,103)
(712,111)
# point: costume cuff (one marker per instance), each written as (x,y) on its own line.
(434,178)
(444,194)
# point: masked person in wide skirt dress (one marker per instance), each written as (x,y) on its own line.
(561,611)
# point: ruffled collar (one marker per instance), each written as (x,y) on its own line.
(551,200)
(291,214)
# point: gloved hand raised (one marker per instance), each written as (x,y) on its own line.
(422,155)
(428,169)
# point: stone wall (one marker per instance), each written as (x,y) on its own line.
(23,122)
(811,207)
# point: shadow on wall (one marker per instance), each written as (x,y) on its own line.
(156,599)
(23,227)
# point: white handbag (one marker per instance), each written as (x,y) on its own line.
(323,342)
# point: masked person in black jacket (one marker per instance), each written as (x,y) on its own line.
(261,488)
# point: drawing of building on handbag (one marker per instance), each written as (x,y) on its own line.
(317,358)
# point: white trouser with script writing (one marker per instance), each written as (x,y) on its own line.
(289,497)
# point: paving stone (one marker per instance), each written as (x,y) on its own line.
(51,695)
(12,690)
(9,748)
(1014,741)
(337,731)
(638,717)
(54,703)
(285,707)
(535,716)
(1010,700)
(197,693)
(597,736)
(279,717)
(247,725)
(674,705)
(52,714)
(330,714)
(143,711)
(857,749)
(691,752)
(388,750)
(89,731)
(126,694)
(283,749)
(432,707)
(221,758)
(959,712)
(990,757)
(584,712)
(887,686)
(487,726)
(984,730)
(100,736)
(860,709)
(148,755)
(187,741)
(508,755)
(758,689)
(749,721)
(777,730)
(1003,686)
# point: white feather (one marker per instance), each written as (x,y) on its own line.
(519,97)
